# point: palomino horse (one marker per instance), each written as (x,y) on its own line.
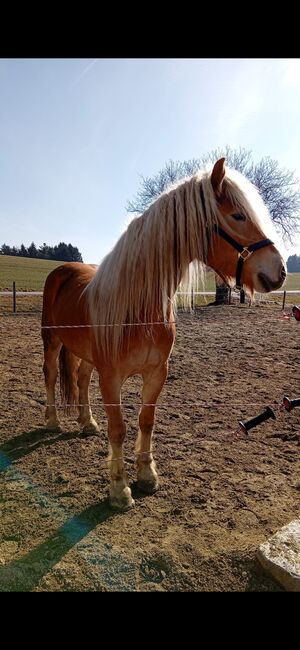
(119,319)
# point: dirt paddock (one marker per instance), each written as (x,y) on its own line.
(219,496)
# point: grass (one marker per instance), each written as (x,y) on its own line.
(292,282)
(28,274)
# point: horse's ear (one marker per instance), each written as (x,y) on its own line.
(217,176)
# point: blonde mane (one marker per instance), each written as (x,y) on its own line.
(163,248)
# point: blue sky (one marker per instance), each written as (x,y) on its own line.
(76,134)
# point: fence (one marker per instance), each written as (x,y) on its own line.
(14,293)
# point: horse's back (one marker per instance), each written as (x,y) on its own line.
(64,298)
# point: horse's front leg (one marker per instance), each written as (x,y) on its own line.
(146,471)
(120,493)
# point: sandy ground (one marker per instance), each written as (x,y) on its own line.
(220,496)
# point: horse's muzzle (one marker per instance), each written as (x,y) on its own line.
(271,285)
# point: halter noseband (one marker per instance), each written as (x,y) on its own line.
(244,252)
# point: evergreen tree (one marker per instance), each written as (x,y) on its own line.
(293,264)
(32,250)
(5,249)
(23,251)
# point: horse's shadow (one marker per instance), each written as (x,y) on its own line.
(25,573)
(29,441)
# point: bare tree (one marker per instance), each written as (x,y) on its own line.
(278,187)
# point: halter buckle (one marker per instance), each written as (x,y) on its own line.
(245,254)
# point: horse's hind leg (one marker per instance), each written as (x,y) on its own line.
(120,493)
(52,346)
(152,387)
(85,419)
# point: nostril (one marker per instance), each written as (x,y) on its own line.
(283,273)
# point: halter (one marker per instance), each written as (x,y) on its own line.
(244,252)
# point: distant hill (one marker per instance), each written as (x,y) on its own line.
(29,274)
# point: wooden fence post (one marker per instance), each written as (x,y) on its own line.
(14,298)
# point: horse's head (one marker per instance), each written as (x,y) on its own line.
(241,252)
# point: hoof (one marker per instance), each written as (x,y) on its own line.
(89,430)
(53,428)
(147,486)
(121,500)
(121,506)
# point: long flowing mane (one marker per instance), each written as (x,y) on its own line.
(161,249)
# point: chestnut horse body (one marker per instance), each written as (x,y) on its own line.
(119,318)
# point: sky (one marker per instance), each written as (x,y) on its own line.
(76,135)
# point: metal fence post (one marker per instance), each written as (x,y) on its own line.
(283,302)
(14,298)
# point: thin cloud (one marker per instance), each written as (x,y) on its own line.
(83,73)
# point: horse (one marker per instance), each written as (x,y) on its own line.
(119,317)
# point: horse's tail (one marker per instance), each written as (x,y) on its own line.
(68,372)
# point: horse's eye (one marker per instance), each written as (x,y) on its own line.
(239,217)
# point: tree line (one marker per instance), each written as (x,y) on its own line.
(293,264)
(62,252)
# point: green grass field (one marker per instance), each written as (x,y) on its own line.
(30,275)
